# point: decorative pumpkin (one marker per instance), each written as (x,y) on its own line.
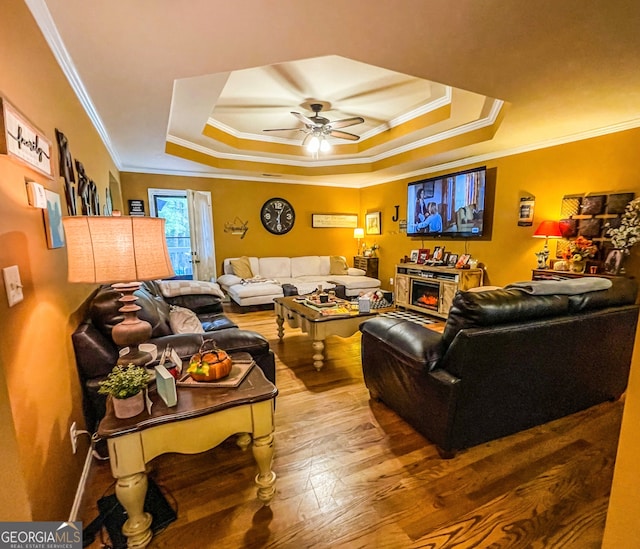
(209,365)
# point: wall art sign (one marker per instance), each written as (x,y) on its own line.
(21,140)
(136,207)
(525,211)
(324,221)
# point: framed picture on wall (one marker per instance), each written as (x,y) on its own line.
(52,215)
(373,223)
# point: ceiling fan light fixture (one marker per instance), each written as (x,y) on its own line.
(325,146)
(314,144)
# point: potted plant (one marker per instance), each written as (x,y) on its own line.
(579,251)
(125,385)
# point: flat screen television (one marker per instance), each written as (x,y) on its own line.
(450,205)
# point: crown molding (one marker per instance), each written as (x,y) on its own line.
(43,18)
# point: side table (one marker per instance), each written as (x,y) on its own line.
(368,264)
(550,274)
(202,419)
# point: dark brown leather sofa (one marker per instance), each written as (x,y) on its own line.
(506,361)
(96,353)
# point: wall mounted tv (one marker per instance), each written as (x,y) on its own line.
(450,205)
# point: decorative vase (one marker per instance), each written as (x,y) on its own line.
(578,266)
(128,407)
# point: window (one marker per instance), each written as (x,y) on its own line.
(172,206)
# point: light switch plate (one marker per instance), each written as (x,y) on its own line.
(12,284)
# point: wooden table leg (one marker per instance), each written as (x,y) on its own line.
(243,441)
(266,478)
(131,491)
(280,323)
(318,357)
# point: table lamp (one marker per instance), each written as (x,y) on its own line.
(547,229)
(121,251)
(359,234)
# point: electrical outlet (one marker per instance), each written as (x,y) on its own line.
(391,282)
(73,433)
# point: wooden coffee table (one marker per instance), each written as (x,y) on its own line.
(312,322)
(202,419)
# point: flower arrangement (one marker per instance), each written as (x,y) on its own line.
(627,234)
(580,249)
(124,381)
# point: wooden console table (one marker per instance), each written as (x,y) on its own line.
(202,419)
(444,281)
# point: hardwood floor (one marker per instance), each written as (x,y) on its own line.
(351,474)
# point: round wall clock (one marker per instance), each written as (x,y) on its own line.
(277,216)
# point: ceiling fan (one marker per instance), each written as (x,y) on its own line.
(318,128)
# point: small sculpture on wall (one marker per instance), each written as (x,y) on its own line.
(83,188)
(237,227)
(66,171)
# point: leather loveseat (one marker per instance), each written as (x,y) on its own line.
(506,361)
(96,353)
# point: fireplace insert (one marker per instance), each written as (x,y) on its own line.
(425,294)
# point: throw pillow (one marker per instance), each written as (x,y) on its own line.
(242,267)
(338,265)
(184,321)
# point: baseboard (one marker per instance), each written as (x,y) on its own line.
(81,485)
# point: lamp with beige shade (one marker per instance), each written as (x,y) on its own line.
(122,251)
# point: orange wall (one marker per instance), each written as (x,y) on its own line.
(602,164)
(37,368)
(244,200)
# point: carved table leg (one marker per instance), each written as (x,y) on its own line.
(243,441)
(280,323)
(318,357)
(266,478)
(131,491)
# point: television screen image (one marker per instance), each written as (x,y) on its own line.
(448,205)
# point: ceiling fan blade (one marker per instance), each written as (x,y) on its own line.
(346,122)
(283,130)
(344,135)
(304,118)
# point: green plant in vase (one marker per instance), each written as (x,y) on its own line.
(125,385)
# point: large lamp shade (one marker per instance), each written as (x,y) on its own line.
(548,229)
(104,249)
(120,251)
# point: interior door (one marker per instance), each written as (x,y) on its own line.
(201,227)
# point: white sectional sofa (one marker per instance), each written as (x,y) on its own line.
(269,274)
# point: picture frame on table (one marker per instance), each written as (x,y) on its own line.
(452,260)
(463,261)
(413,258)
(438,253)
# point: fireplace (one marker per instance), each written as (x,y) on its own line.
(425,294)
